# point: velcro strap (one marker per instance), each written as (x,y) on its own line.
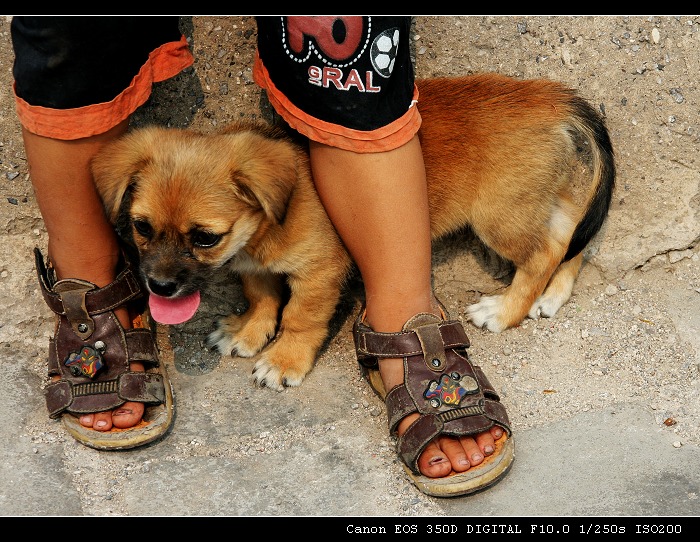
(497,412)
(431,343)
(53,361)
(142,387)
(399,404)
(406,343)
(72,294)
(484,384)
(59,397)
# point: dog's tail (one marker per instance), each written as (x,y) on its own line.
(588,122)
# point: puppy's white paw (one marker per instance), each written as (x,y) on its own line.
(487,313)
(547,305)
(269,375)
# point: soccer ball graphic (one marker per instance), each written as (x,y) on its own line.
(383,51)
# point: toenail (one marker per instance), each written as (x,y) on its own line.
(464,461)
(488,450)
(477,457)
(101,424)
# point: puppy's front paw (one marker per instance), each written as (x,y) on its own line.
(235,335)
(269,375)
(285,363)
(487,313)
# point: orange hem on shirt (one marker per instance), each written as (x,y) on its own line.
(67,124)
(389,137)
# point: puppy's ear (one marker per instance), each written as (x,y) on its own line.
(116,166)
(266,172)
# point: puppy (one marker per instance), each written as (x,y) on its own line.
(527,165)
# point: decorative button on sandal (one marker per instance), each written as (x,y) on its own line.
(90,354)
(452,396)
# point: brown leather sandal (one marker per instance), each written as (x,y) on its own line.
(90,352)
(452,395)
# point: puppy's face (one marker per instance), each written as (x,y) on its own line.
(193,202)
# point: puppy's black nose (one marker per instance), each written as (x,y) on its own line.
(164,289)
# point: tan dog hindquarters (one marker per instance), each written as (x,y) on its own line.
(527,165)
(501,156)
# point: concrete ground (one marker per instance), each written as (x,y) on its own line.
(604,398)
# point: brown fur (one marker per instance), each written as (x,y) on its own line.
(501,157)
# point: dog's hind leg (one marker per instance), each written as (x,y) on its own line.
(558,290)
(499,312)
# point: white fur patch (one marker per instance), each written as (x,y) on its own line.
(226,344)
(561,225)
(549,303)
(487,313)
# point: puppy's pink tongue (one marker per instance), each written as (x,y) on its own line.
(173,311)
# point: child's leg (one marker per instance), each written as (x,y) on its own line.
(82,242)
(378,203)
(77,81)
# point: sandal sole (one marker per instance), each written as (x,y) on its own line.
(156,422)
(478,478)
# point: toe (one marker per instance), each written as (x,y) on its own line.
(472,450)
(496,432)
(86,420)
(486,443)
(433,462)
(127,415)
(102,421)
(456,453)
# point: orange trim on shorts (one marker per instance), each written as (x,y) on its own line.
(386,138)
(163,63)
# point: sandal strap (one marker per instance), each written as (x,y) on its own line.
(372,345)
(79,299)
(129,386)
(139,345)
(474,420)
(399,403)
(91,352)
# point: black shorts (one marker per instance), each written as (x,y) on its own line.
(78,76)
(346,81)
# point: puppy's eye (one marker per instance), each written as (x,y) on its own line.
(143,228)
(204,239)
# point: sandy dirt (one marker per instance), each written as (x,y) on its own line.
(629,334)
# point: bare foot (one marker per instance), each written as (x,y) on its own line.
(127,415)
(444,454)
(123,417)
